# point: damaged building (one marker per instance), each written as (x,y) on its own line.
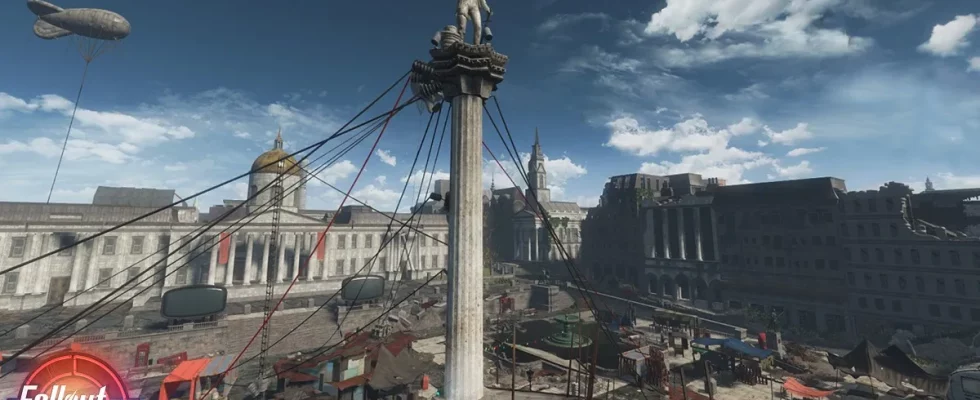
(913,260)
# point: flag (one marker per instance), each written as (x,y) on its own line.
(223,248)
(321,245)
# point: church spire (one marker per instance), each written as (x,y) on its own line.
(537,141)
(929,187)
(278,143)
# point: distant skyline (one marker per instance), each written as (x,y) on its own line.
(868,91)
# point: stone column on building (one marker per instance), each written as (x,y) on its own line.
(264,269)
(650,235)
(467,81)
(281,258)
(249,269)
(213,265)
(25,284)
(77,279)
(313,263)
(230,266)
(699,251)
(170,279)
(681,245)
(297,253)
(714,235)
(665,225)
(91,272)
(42,267)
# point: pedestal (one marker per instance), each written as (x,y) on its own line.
(466,74)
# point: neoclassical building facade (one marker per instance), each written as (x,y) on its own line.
(237,252)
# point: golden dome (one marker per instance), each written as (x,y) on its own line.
(268,161)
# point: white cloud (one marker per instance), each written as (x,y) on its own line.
(8,102)
(381,179)
(596,59)
(744,127)
(559,21)
(948,180)
(949,38)
(379,198)
(790,136)
(804,151)
(417,178)
(386,157)
(179,166)
(748,93)
(797,171)
(242,134)
(715,31)
(336,172)
(77,149)
(974,64)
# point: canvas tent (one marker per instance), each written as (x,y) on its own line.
(891,366)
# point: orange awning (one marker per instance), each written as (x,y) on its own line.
(187,370)
(795,387)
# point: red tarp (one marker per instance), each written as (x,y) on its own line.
(321,245)
(223,248)
(795,387)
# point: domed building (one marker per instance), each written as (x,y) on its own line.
(237,253)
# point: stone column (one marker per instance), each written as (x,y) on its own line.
(213,266)
(281,258)
(714,235)
(91,272)
(230,267)
(248,276)
(665,225)
(264,271)
(170,279)
(41,268)
(468,81)
(297,252)
(680,234)
(650,234)
(77,277)
(312,264)
(699,253)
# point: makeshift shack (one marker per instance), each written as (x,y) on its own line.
(891,366)
(745,361)
(194,378)
(396,375)
(798,389)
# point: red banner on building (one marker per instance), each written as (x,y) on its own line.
(321,245)
(223,248)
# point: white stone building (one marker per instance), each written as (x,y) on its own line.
(242,263)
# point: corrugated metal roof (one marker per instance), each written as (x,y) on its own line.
(218,365)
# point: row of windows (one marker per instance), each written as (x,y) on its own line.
(898,256)
(11,279)
(780,262)
(884,282)
(343,268)
(935,310)
(423,240)
(875,230)
(858,205)
(18,245)
(776,242)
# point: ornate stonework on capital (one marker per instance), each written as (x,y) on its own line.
(458,68)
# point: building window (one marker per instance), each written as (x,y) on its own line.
(915,256)
(954,313)
(435,261)
(66,241)
(847,254)
(843,230)
(105,278)
(423,261)
(879,255)
(857,206)
(899,256)
(369,241)
(354,266)
(17,246)
(872,205)
(137,245)
(865,256)
(883,280)
(940,285)
(867,280)
(875,230)
(902,283)
(340,268)
(342,241)
(109,246)
(861,230)
(920,284)
(425,240)
(131,274)
(935,257)
(880,304)
(959,286)
(353,241)
(897,305)
(889,204)
(934,310)
(851,280)
(893,230)
(181,276)
(862,302)
(10,282)
(954,257)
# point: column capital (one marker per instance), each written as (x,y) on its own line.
(459,68)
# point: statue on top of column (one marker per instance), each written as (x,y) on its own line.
(470,10)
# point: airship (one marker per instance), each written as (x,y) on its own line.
(54,22)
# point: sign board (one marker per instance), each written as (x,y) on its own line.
(363,288)
(194,301)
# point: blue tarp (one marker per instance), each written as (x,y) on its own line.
(735,345)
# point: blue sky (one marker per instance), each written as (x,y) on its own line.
(747,90)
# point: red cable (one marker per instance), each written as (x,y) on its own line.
(318,243)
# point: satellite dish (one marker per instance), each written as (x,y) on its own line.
(363,288)
(194,301)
